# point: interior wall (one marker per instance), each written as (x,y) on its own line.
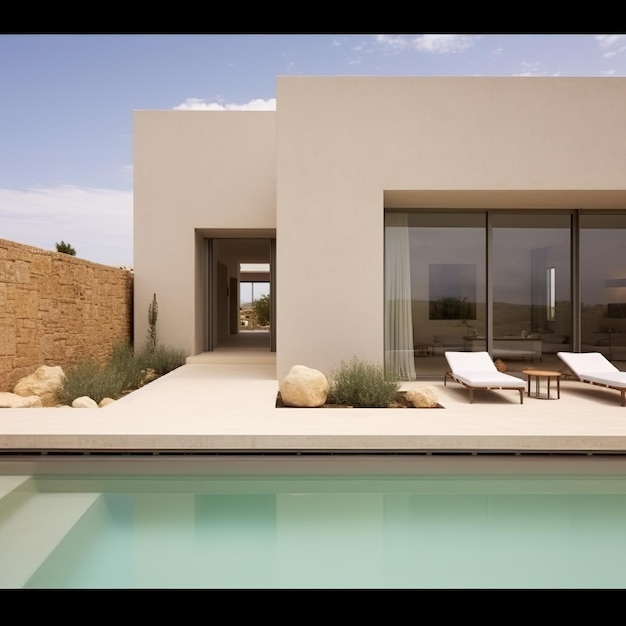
(229,253)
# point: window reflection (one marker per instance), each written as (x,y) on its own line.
(514,297)
(448,283)
(603,284)
(531,279)
(551,293)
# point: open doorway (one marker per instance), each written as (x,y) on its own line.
(254,297)
(240,278)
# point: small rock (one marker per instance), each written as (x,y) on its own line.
(423,398)
(84,402)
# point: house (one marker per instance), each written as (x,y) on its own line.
(488,211)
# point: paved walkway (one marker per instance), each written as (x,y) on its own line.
(224,402)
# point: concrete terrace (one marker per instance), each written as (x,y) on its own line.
(224,403)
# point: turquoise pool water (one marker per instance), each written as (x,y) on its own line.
(424,522)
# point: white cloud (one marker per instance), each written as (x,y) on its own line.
(97,223)
(442,44)
(533,68)
(606,41)
(612,45)
(394,42)
(195,104)
(434,44)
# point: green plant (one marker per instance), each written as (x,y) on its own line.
(362,384)
(88,378)
(262,310)
(452,308)
(124,372)
(123,360)
(153,313)
(160,360)
(65,248)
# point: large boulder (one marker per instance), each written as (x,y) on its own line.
(304,387)
(40,390)
(45,383)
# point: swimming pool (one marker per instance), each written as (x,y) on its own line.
(313,522)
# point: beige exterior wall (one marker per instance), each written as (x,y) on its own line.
(418,142)
(322,169)
(197,174)
(56,309)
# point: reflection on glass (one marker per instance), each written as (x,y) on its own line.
(551,293)
(529,313)
(448,284)
(603,284)
(531,299)
(452,291)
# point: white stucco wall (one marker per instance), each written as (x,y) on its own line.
(345,143)
(193,170)
(323,167)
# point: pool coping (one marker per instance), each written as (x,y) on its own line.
(230,409)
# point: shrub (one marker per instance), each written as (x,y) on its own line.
(65,248)
(154,357)
(161,359)
(153,314)
(124,372)
(123,360)
(88,378)
(262,310)
(362,384)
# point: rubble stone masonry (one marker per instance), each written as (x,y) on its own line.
(56,309)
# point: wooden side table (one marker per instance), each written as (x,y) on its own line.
(549,375)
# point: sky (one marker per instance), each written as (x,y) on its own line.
(67,103)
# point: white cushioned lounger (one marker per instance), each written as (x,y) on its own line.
(476,370)
(595,369)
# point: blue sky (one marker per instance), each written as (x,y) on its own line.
(67,102)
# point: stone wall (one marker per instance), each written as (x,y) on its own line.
(56,309)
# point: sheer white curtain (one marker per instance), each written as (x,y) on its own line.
(399,356)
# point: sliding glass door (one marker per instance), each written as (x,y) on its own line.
(443,285)
(603,285)
(521,285)
(531,285)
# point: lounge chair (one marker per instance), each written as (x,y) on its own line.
(476,370)
(594,368)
